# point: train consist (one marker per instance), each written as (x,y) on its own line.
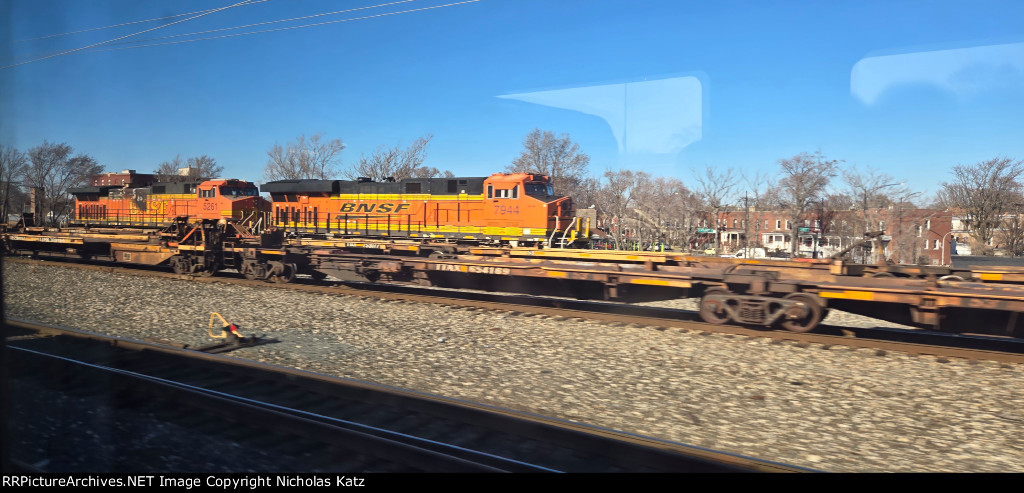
(487,233)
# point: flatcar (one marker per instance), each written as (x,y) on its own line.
(159,204)
(514,209)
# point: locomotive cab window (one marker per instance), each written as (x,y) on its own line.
(539,189)
(207,193)
(490,191)
(239,191)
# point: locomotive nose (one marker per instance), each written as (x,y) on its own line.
(560,207)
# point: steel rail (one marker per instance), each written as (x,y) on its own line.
(660,454)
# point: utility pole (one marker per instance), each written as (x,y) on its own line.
(746,226)
(821,227)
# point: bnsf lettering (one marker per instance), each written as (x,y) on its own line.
(475,269)
(378,208)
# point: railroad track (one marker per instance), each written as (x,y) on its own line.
(912,341)
(327,424)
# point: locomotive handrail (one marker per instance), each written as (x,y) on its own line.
(567,230)
(554,232)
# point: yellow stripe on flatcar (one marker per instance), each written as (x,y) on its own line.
(848,295)
(662,282)
(990,277)
(557,273)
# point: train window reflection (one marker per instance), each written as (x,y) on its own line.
(539,189)
(238,192)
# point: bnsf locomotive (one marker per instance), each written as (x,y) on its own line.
(515,209)
(160,204)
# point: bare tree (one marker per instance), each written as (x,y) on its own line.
(396,163)
(1011,235)
(834,216)
(759,200)
(431,172)
(984,192)
(587,193)
(715,188)
(660,205)
(904,223)
(199,168)
(871,191)
(804,178)
(618,199)
(558,157)
(13,165)
(203,168)
(55,171)
(167,171)
(304,159)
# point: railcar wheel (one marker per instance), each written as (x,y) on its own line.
(249,270)
(713,311)
(286,276)
(806,323)
(178,265)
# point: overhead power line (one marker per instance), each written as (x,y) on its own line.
(244,2)
(288,28)
(267,22)
(253,2)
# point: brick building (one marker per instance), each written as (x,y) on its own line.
(910,235)
(127,177)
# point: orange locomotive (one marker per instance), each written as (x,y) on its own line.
(515,209)
(159,204)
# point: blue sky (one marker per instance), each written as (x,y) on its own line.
(909,88)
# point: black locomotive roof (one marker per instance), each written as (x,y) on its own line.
(187,187)
(90,190)
(291,186)
(432,186)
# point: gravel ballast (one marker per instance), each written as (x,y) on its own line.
(829,408)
